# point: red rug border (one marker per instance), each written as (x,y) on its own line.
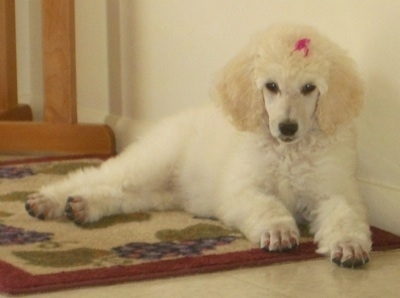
(20,282)
(15,281)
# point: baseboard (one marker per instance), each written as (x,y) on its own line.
(126,130)
(383,204)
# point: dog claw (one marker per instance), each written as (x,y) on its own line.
(350,257)
(69,212)
(282,241)
(29,209)
(41,217)
(337,259)
(350,263)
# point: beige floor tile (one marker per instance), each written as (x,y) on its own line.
(205,285)
(319,278)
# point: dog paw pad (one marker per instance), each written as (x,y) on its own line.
(39,206)
(76,210)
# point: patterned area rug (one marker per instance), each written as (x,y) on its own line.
(38,256)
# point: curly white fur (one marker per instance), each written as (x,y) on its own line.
(260,159)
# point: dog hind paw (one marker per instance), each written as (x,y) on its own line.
(349,255)
(76,210)
(39,206)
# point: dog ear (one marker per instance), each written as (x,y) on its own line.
(343,99)
(237,93)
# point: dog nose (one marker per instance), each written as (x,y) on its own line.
(288,128)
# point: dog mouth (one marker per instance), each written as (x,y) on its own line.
(287,139)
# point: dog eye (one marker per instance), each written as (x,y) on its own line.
(273,87)
(307,88)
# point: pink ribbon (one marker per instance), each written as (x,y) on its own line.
(302,46)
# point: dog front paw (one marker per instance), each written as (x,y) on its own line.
(349,254)
(39,206)
(280,239)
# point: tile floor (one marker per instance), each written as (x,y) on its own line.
(317,278)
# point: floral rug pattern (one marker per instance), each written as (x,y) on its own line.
(40,246)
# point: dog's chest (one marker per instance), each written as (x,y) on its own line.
(291,176)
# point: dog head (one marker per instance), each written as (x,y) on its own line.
(294,80)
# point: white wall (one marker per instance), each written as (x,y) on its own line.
(29,56)
(140,60)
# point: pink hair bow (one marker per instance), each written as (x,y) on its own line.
(302,46)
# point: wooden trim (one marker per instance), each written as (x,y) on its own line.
(20,113)
(59,61)
(8,56)
(52,137)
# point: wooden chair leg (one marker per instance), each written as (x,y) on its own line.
(9,108)
(60,103)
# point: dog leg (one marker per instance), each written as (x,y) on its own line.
(49,202)
(91,205)
(262,218)
(342,232)
(112,182)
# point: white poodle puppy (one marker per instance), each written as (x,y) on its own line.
(277,146)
